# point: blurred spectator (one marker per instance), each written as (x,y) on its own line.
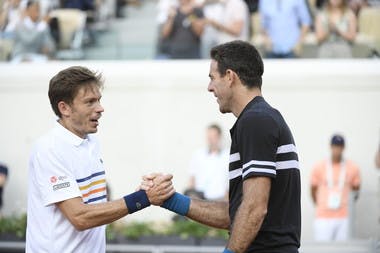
(163,9)
(235,21)
(83,5)
(335,29)
(10,16)
(332,181)
(253,5)
(285,24)
(33,41)
(183,29)
(354,5)
(210,36)
(3,179)
(209,167)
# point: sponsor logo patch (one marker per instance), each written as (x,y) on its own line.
(53,179)
(61,186)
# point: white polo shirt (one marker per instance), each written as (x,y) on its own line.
(210,172)
(63,166)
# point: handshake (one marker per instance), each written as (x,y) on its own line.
(157,189)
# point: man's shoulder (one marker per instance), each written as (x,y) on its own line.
(320,165)
(259,114)
(351,165)
(47,142)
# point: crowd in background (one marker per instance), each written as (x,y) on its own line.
(189,28)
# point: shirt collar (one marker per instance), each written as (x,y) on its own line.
(254,101)
(70,136)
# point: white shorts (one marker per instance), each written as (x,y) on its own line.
(331,229)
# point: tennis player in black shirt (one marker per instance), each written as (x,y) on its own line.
(263,213)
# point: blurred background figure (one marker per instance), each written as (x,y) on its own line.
(234,23)
(163,9)
(284,25)
(354,5)
(335,29)
(83,5)
(3,180)
(209,167)
(10,16)
(213,10)
(32,39)
(182,31)
(332,181)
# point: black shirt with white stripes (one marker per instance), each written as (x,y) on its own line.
(263,146)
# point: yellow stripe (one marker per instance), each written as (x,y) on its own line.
(92,184)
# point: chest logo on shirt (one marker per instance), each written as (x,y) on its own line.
(53,179)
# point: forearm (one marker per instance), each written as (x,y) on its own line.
(234,29)
(84,216)
(304,31)
(197,27)
(167,28)
(246,226)
(349,36)
(211,213)
(314,194)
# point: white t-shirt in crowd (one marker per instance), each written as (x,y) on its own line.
(63,166)
(235,10)
(210,172)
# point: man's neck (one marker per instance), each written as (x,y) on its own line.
(336,159)
(242,98)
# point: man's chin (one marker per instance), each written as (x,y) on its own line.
(224,110)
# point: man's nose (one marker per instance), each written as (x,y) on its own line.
(210,88)
(99,108)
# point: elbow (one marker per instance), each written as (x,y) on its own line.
(262,212)
(80,223)
(225,225)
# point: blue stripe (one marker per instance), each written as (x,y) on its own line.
(89,177)
(96,199)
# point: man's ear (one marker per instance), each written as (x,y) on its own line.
(231,76)
(64,109)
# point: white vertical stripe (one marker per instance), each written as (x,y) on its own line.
(286,149)
(269,171)
(234,157)
(235,173)
(255,162)
(291,164)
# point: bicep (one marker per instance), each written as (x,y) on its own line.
(256,190)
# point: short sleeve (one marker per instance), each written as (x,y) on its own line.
(258,138)
(239,11)
(264,20)
(315,176)
(303,13)
(54,179)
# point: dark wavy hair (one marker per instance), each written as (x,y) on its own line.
(242,58)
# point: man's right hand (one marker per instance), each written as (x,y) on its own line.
(158,187)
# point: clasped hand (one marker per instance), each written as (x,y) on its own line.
(158,187)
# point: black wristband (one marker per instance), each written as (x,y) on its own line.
(136,201)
